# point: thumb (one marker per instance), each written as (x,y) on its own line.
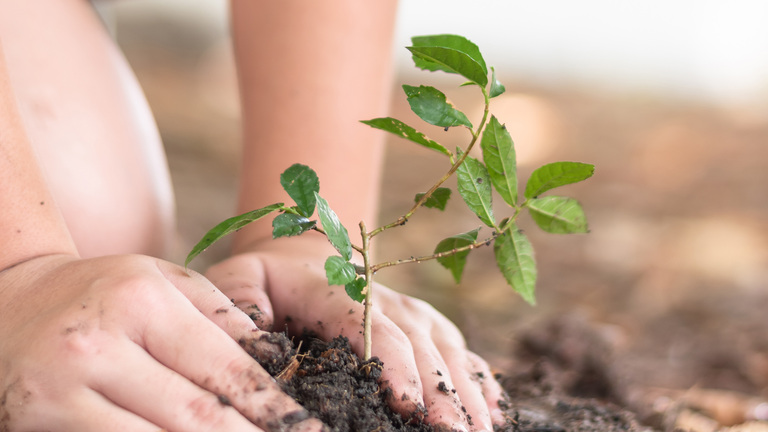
(243,279)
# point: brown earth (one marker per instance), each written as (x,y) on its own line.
(661,309)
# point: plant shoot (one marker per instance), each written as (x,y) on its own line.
(477,183)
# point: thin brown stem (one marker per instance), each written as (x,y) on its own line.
(367,324)
(475,135)
(486,242)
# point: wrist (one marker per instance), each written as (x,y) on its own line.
(15,279)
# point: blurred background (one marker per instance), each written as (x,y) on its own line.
(668,99)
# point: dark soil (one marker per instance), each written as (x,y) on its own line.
(345,393)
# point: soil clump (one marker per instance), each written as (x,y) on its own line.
(337,387)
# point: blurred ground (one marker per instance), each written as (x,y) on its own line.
(673,278)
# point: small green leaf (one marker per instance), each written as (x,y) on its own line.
(431,105)
(474,186)
(555,175)
(289,224)
(514,256)
(458,43)
(355,289)
(339,271)
(402,130)
(499,157)
(455,262)
(497,88)
(438,199)
(337,234)
(558,215)
(450,60)
(229,226)
(301,183)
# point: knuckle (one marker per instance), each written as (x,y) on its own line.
(78,337)
(143,293)
(77,342)
(206,412)
(413,304)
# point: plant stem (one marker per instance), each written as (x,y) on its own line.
(368,291)
(475,135)
(505,226)
(486,242)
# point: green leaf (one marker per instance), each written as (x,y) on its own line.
(289,224)
(497,88)
(555,175)
(450,60)
(402,130)
(474,186)
(301,183)
(355,289)
(438,199)
(339,271)
(337,234)
(558,215)
(229,226)
(455,262)
(431,105)
(499,157)
(458,43)
(514,256)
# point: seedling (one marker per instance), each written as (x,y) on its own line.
(476,181)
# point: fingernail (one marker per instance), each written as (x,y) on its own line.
(497,416)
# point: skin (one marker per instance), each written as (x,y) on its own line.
(98,332)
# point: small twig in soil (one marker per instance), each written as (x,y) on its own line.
(287,373)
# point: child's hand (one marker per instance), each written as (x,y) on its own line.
(419,347)
(129,343)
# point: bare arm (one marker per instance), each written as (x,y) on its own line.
(309,71)
(31,224)
(82,346)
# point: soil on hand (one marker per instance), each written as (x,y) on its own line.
(345,393)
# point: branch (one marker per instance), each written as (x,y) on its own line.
(475,135)
(486,242)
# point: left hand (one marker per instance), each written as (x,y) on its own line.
(282,284)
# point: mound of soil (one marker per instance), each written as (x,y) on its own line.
(343,391)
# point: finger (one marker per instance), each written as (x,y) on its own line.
(135,381)
(441,397)
(440,394)
(344,316)
(199,350)
(242,279)
(489,386)
(83,410)
(400,371)
(209,299)
(95,413)
(218,308)
(472,383)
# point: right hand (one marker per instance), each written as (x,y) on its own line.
(129,343)
(424,354)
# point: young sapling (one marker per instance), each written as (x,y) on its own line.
(476,182)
